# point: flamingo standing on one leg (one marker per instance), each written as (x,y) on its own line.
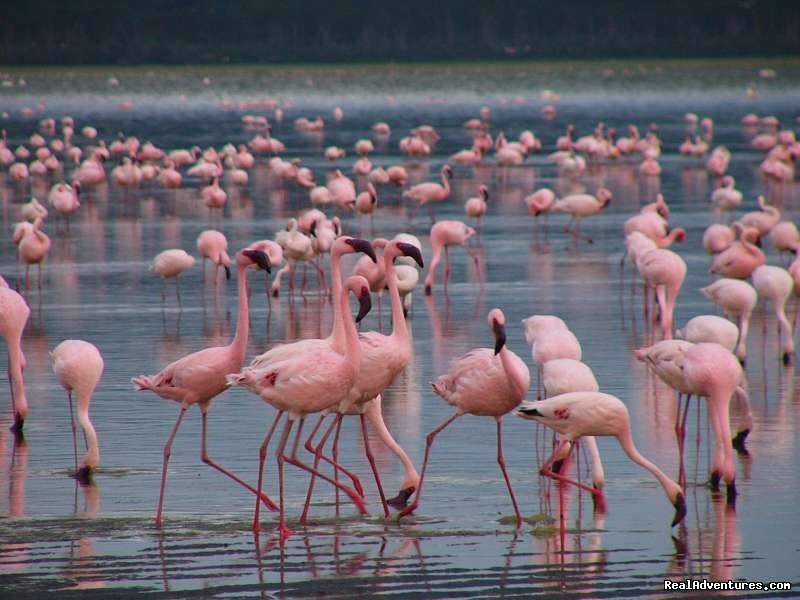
(475,207)
(577,414)
(33,248)
(197,378)
(213,245)
(665,271)
(14,313)
(383,357)
(78,366)
(443,235)
(171,263)
(484,382)
(310,379)
(776,285)
(737,299)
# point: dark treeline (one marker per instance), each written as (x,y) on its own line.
(272,31)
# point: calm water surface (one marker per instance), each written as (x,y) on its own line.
(100,540)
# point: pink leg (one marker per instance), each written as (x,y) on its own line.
(283,531)
(207,459)
(428,443)
(371,460)
(167,452)
(547,471)
(313,450)
(74,430)
(262,456)
(354,497)
(502,462)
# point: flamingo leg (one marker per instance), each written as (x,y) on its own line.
(74,430)
(371,459)
(317,452)
(428,443)
(167,452)
(502,462)
(262,456)
(207,460)
(352,494)
(547,470)
(283,531)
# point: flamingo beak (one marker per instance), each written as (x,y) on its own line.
(680,509)
(259,258)
(499,336)
(364,246)
(401,500)
(227,272)
(365,304)
(412,251)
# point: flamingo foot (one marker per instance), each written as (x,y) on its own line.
(19,421)
(407,510)
(284,532)
(713,481)
(738,442)
(555,467)
(83,475)
(599,501)
(401,500)
(731,493)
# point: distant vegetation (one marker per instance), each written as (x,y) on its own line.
(281,31)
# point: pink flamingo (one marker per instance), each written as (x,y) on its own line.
(78,366)
(549,339)
(425,193)
(712,371)
(306,380)
(14,313)
(579,206)
(443,235)
(663,270)
(741,258)
(711,329)
(169,264)
(737,299)
(65,198)
(342,190)
(213,196)
(475,207)
(197,378)
(484,382)
(717,238)
(213,245)
(776,285)
(762,220)
(578,414)
(383,357)
(33,248)
(785,237)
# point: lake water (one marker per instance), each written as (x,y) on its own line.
(101,540)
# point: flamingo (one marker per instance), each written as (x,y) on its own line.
(14,313)
(741,258)
(717,238)
(443,235)
(213,196)
(579,206)
(776,285)
(30,210)
(65,198)
(549,339)
(213,245)
(664,270)
(383,357)
(484,382)
(577,414)
(198,377)
(342,190)
(476,207)
(427,192)
(308,379)
(761,220)
(737,299)
(710,328)
(78,365)
(33,246)
(171,263)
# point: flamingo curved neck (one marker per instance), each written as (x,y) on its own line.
(239,344)
(92,457)
(399,327)
(511,373)
(626,441)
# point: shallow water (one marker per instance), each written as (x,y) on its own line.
(58,536)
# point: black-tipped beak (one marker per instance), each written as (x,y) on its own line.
(499,336)
(528,411)
(412,251)
(680,509)
(364,246)
(401,500)
(227,272)
(365,304)
(83,475)
(312,231)
(258,257)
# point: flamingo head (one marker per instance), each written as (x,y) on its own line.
(679,234)
(258,258)
(360,287)
(484,192)
(448,171)
(412,251)
(679,502)
(497,321)
(604,195)
(359,245)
